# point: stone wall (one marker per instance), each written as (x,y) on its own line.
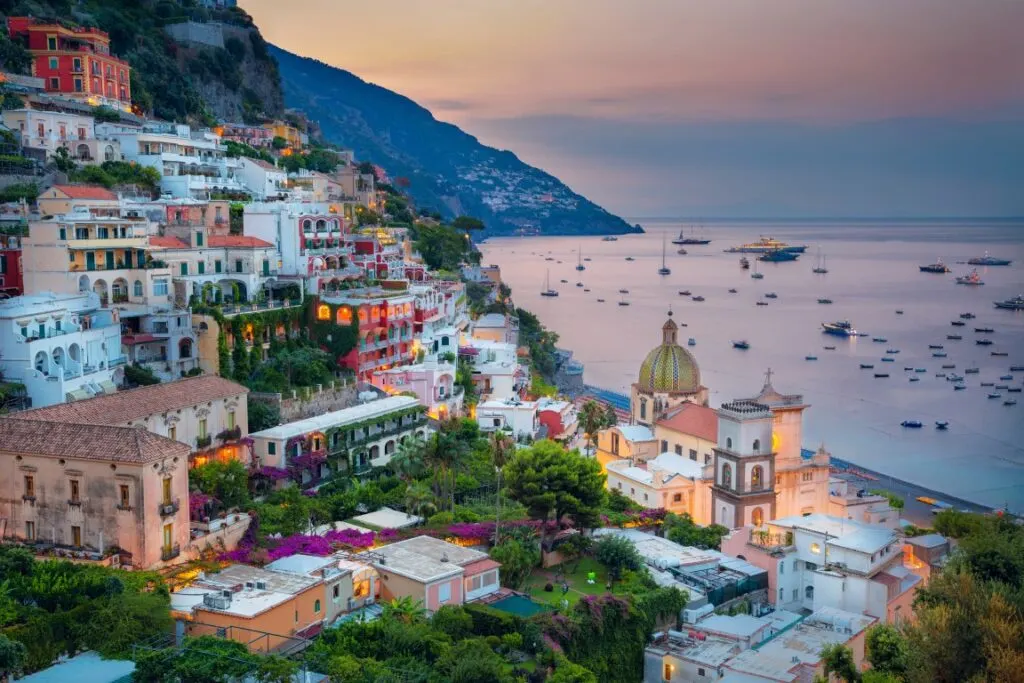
(211,34)
(300,404)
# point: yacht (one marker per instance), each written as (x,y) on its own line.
(937,267)
(609,238)
(698,298)
(829,348)
(887,359)
(1010,402)
(842,328)
(732,291)
(911,424)
(994,394)
(879,340)
(984,330)
(983,342)
(1014,304)
(867,366)
(600,301)
(683,239)
(935,346)
(972,370)
(954,337)
(892,350)
(623,302)
(820,268)
(579,260)
(971,278)
(684,292)
(779,256)
(762,303)
(664,270)
(623,291)
(579,284)
(957,323)
(771,295)
(765,245)
(756,275)
(564,282)
(741,344)
(968,316)
(810,358)
(915,379)
(547,291)
(630,258)
(881,374)
(939,354)
(824,301)
(1017,368)
(744,263)
(987,260)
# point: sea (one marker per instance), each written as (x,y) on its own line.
(873,271)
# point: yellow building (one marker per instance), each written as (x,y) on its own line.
(295,138)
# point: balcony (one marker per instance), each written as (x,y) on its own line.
(203,441)
(74,502)
(770,541)
(169,552)
(168,508)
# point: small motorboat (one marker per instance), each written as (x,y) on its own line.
(955,378)
(959,386)
(915,379)
(994,394)
(762,303)
(892,350)
(1006,378)
(829,348)
(741,344)
(691,342)
(564,282)
(630,258)
(1002,387)
(957,323)
(623,291)
(886,359)
(681,252)
(744,263)
(1014,390)
(920,370)
(984,330)
(1017,368)
(771,295)
(549,258)
(971,371)
(609,238)
(879,375)
(698,298)
(941,375)
(600,301)
(968,316)
(732,291)
(579,284)
(623,303)
(810,358)
(1010,402)
(866,366)
(757,276)
(899,311)
(586,258)
(951,366)
(879,340)
(983,342)
(987,384)
(1000,353)
(941,424)
(939,354)
(684,292)
(953,337)
(586,290)
(824,301)
(910,369)
(557,261)
(911,424)
(935,346)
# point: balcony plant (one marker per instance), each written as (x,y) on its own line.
(204,441)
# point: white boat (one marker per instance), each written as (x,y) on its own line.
(664,270)
(547,291)
(820,268)
(756,275)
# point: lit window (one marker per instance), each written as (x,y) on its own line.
(816,549)
(231,419)
(323,312)
(202,428)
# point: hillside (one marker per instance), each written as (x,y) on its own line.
(448,170)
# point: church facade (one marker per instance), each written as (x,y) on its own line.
(739,465)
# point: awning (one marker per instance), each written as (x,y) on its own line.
(108,387)
(77,395)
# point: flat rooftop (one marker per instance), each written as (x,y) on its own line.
(712,652)
(842,533)
(423,558)
(366,411)
(247,602)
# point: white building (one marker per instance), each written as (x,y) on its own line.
(264,180)
(496,369)
(497,327)
(52,130)
(518,418)
(191,163)
(220,268)
(62,347)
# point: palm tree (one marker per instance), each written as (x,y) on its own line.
(404,609)
(501,447)
(592,419)
(442,454)
(408,463)
(419,500)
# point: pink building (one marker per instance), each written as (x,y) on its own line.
(433,382)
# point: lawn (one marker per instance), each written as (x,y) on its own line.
(575,574)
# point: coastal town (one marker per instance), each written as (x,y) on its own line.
(262,418)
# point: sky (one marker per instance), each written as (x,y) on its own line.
(710,108)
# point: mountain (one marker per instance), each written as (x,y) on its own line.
(448,170)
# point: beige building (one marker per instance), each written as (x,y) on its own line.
(209,414)
(90,487)
(631,443)
(690,431)
(61,199)
(668,481)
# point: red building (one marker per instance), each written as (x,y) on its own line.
(75,62)
(11,278)
(385,321)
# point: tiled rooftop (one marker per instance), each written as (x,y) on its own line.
(693,419)
(85,441)
(86,192)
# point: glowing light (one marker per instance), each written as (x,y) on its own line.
(776,441)
(323,312)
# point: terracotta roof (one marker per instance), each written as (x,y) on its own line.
(167,242)
(85,441)
(125,406)
(85,191)
(265,165)
(237,241)
(693,419)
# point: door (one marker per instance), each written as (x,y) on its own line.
(168,537)
(184,268)
(167,490)
(109,260)
(76,536)
(266,267)
(90,260)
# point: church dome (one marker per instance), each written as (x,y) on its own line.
(669,368)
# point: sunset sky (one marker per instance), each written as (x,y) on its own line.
(710,108)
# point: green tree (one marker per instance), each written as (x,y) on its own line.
(263,416)
(681,529)
(591,421)
(473,661)
(895,502)
(568,672)
(278,142)
(62,159)
(552,483)
(225,481)
(453,620)
(405,610)
(115,622)
(419,500)
(837,659)
(468,224)
(887,649)
(518,559)
(501,449)
(617,554)
(13,656)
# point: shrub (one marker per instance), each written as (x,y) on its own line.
(454,621)
(442,518)
(488,621)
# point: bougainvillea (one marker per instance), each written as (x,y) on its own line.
(199,505)
(273,473)
(312,545)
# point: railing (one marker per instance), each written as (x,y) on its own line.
(766,539)
(204,441)
(168,508)
(169,552)
(75,502)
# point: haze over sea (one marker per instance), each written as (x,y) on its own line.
(873,271)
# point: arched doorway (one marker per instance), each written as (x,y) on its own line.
(374,452)
(83,152)
(101,290)
(108,153)
(757,516)
(185,348)
(41,362)
(389,447)
(119,290)
(83,283)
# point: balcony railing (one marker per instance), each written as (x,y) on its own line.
(767,539)
(204,441)
(75,502)
(168,508)
(169,552)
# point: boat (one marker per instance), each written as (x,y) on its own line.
(1014,304)
(824,301)
(911,424)
(600,301)
(972,371)
(937,267)
(941,424)
(971,278)
(968,316)
(841,328)
(664,270)
(935,346)
(550,258)
(1010,402)
(810,358)
(829,348)
(630,258)
(756,275)
(899,311)
(985,330)
(920,369)
(564,282)
(547,291)
(955,378)
(609,238)
(983,342)
(887,359)
(778,256)
(939,354)
(732,291)
(879,375)
(579,260)
(765,245)
(953,337)
(586,258)
(623,302)
(698,298)
(681,252)
(1000,353)
(957,323)
(579,284)
(741,344)
(1017,368)
(771,295)
(691,342)
(684,292)
(819,267)
(879,340)
(587,289)
(994,394)
(915,379)
(744,263)
(959,386)
(1014,390)
(987,260)
(1006,378)
(623,291)
(940,374)
(762,303)
(867,366)
(987,384)
(557,261)
(949,366)
(1002,387)
(908,369)
(683,239)
(892,350)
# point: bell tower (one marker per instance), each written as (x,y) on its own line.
(743,492)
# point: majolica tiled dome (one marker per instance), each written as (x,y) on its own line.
(669,368)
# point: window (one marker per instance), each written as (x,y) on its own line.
(728,443)
(444,592)
(316,607)
(677,498)
(271,448)
(700,672)
(63,236)
(76,536)
(727,476)
(184,268)
(632,491)
(757,445)
(796,594)
(807,476)
(809,592)
(30,486)
(53,62)
(643,409)
(30,531)
(137,288)
(667,673)
(757,477)
(166,490)
(615,444)
(664,446)
(296,616)
(645,496)
(199,239)
(55,84)
(336,592)
(202,267)
(693,454)
(782,595)
(76,64)
(231,419)
(810,566)
(782,567)
(51,42)
(168,536)
(172,432)
(816,549)
(679,449)
(76,491)
(125,497)
(238,265)
(757,516)
(202,428)
(217,267)
(222,632)
(160,287)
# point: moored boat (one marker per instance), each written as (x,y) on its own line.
(744,263)
(824,301)
(984,330)
(779,256)
(698,298)
(987,260)
(941,424)
(547,291)
(867,366)
(771,295)
(765,245)
(972,278)
(841,328)
(937,267)
(935,346)
(691,342)
(881,374)
(1014,304)
(957,323)
(953,337)
(911,424)
(983,342)
(1010,402)
(741,344)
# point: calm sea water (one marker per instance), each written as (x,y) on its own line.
(873,270)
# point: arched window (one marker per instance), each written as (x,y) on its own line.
(728,443)
(321,225)
(757,445)
(316,607)
(757,516)
(137,288)
(643,409)
(757,477)
(307,225)
(727,476)
(809,592)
